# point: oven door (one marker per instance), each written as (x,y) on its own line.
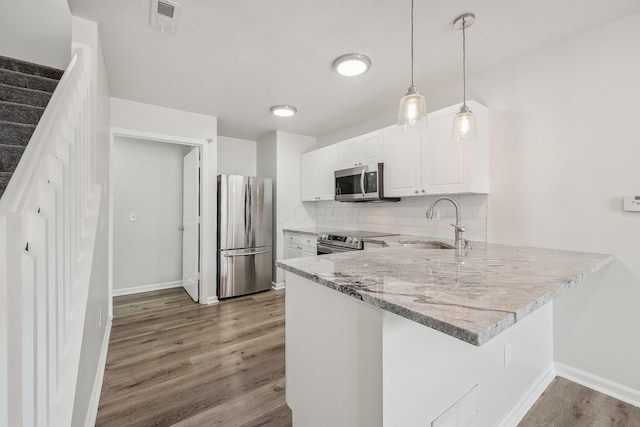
(323,249)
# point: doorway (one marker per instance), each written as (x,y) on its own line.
(155,230)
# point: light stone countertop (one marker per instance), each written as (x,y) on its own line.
(314,231)
(472,297)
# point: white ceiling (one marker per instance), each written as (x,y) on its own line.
(233,59)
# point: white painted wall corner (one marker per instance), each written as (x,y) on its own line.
(603,385)
(520,409)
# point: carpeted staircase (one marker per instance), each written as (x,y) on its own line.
(25,90)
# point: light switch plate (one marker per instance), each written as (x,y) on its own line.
(632,203)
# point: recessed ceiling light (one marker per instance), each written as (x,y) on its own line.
(283,110)
(352,64)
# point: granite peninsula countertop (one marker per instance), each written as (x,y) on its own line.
(472,297)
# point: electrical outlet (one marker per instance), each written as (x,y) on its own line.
(507,355)
(133,217)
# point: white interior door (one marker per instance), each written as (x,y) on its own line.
(191,222)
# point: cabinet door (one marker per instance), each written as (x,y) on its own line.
(362,150)
(324,175)
(446,164)
(308,186)
(291,251)
(308,252)
(348,153)
(371,148)
(402,168)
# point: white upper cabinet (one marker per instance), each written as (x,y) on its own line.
(444,166)
(362,150)
(316,171)
(415,163)
(402,167)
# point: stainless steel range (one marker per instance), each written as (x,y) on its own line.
(345,240)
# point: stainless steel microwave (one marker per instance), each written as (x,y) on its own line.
(361,184)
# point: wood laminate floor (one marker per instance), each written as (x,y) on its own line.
(172,362)
(567,404)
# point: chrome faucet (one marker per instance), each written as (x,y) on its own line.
(458,225)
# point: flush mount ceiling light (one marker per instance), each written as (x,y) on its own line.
(283,110)
(464,124)
(413,107)
(352,64)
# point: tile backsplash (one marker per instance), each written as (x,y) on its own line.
(408,216)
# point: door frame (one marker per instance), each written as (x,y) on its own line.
(207,190)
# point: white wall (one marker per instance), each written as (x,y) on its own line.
(37,31)
(562,157)
(408,216)
(147,180)
(167,123)
(279,159)
(236,156)
(96,320)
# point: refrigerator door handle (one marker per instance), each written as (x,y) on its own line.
(246,254)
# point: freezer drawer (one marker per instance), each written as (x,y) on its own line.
(244,271)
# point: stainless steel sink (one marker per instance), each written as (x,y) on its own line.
(426,245)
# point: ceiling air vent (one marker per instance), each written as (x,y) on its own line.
(164,14)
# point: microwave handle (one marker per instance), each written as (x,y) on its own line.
(362,183)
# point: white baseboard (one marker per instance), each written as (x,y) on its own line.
(146,288)
(92,412)
(520,409)
(610,388)
(211,300)
(277,286)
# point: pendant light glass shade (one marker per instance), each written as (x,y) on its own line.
(464,124)
(413,106)
(413,110)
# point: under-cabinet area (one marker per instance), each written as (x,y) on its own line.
(414,163)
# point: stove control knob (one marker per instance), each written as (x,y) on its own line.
(349,240)
(355,240)
(323,236)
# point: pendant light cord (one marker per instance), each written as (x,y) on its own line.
(464,63)
(411,42)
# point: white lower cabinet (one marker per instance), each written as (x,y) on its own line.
(316,172)
(431,163)
(298,245)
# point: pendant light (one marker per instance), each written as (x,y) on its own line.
(413,107)
(464,124)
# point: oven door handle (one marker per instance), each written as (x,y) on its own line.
(363,190)
(326,249)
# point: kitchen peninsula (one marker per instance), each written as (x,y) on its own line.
(397,336)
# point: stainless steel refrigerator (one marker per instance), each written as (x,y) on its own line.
(244,235)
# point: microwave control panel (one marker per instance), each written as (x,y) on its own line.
(372,182)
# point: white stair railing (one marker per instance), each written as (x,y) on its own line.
(48,219)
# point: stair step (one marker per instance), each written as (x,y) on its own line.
(30,68)
(15,133)
(4,181)
(15,78)
(9,157)
(20,95)
(20,113)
